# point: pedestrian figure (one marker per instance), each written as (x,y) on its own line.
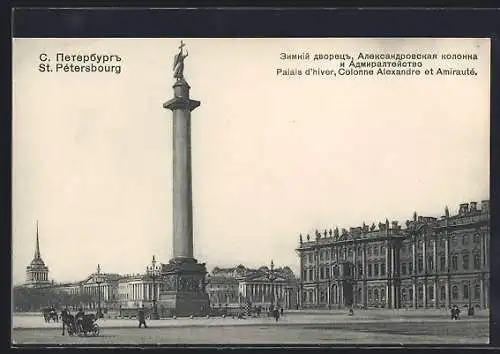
(141,317)
(276,314)
(64,316)
(79,319)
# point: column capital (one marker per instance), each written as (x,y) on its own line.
(181,103)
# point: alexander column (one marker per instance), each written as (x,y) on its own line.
(183,291)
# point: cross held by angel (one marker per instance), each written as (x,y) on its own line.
(179,62)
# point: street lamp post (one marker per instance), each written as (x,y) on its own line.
(272,278)
(98,282)
(154,271)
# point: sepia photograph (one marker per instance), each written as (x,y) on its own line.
(249,191)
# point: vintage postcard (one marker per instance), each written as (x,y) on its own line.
(240,191)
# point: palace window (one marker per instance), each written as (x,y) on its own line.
(442,260)
(466,292)
(410,268)
(477,292)
(382,295)
(477,238)
(369,294)
(454,262)
(375,251)
(403,294)
(403,268)
(420,244)
(477,261)
(360,251)
(327,271)
(375,294)
(360,269)
(321,255)
(430,264)
(465,240)
(327,255)
(382,250)
(382,269)
(369,270)
(441,243)
(443,293)
(420,265)
(349,252)
(454,241)
(420,292)
(369,251)
(465,262)
(305,274)
(311,275)
(322,273)
(454,292)
(430,291)
(411,294)
(376,269)
(310,257)
(322,297)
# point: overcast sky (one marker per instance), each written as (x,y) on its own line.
(273,156)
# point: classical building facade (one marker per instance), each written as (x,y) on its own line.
(238,286)
(37,273)
(430,262)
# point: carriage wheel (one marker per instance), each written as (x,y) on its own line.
(96,330)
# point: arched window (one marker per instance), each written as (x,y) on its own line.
(375,294)
(430,292)
(420,265)
(466,292)
(465,240)
(477,261)
(477,238)
(420,292)
(411,294)
(465,262)
(430,264)
(477,292)
(454,292)
(443,293)
(454,262)
(382,294)
(442,261)
(403,268)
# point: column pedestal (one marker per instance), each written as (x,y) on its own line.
(183,292)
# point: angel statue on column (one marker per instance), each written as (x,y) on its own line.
(179,63)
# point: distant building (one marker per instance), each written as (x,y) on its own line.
(430,263)
(238,286)
(37,273)
(137,290)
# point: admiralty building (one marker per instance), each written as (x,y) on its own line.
(427,263)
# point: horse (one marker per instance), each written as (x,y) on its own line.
(68,322)
(49,313)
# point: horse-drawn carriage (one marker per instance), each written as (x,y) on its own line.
(82,326)
(50,314)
